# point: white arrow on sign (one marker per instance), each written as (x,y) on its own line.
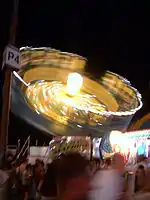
(12,57)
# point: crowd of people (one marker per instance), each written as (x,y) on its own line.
(73,177)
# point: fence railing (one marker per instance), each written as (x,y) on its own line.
(25,148)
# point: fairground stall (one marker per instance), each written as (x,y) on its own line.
(139,145)
(130,144)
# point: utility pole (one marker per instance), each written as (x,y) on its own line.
(7,83)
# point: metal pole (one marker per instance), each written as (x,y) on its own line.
(23,147)
(36,143)
(29,141)
(18,146)
(7,83)
(91,148)
(44,144)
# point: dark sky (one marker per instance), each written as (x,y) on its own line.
(113,35)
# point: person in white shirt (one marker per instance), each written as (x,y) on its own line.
(108,184)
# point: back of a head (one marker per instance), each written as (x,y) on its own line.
(9,155)
(71,165)
(19,162)
(96,161)
(37,161)
(108,162)
(73,178)
(29,166)
(23,160)
(141,167)
(42,163)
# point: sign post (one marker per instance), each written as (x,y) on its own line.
(10,61)
(12,57)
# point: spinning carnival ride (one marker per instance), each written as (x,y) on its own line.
(53,93)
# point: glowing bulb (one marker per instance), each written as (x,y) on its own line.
(74,83)
(115,137)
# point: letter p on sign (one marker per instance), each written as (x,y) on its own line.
(12,57)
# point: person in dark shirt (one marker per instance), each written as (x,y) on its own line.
(49,185)
(140,178)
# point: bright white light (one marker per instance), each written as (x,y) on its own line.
(74,83)
(68,139)
(20,79)
(115,137)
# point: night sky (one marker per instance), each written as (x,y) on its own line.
(113,35)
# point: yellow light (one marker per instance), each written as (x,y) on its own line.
(119,139)
(115,137)
(74,83)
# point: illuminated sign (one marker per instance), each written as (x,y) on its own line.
(137,134)
(64,146)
